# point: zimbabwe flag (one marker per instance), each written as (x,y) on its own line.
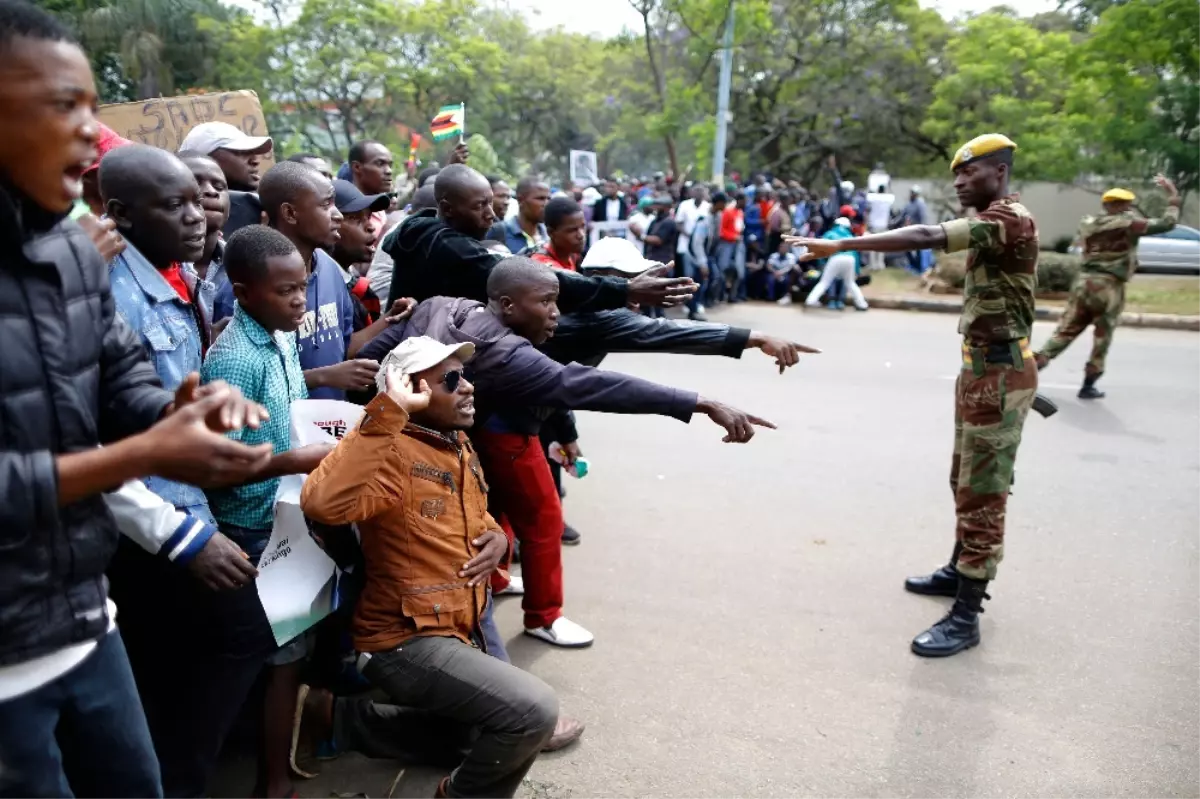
(450,121)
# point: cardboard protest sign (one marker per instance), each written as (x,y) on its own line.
(165,121)
(297,582)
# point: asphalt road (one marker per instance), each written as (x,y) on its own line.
(751,630)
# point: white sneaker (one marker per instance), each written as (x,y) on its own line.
(699,308)
(564,633)
(515,587)
(785,300)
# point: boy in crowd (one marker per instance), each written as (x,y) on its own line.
(409,478)
(567,230)
(257,353)
(75,376)
(299,203)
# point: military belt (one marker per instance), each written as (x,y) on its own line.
(1013,353)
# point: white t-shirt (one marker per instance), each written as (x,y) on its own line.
(879,210)
(686,218)
(642,222)
(612,210)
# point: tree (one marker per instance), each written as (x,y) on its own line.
(1005,75)
(1138,82)
(845,77)
(146,48)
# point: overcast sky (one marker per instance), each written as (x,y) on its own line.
(608,17)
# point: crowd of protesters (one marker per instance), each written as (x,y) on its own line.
(164,312)
(729,239)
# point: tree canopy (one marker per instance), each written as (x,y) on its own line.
(1101,89)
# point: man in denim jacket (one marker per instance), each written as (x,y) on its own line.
(218,639)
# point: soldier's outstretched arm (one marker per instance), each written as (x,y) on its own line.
(913,237)
(1169,219)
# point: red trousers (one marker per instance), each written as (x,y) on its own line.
(524,500)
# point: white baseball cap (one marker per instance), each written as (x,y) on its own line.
(419,353)
(841,221)
(615,252)
(209,136)
(847,185)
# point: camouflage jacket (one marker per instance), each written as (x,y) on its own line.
(1110,240)
(1002,255)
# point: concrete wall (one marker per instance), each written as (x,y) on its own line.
(1057,207)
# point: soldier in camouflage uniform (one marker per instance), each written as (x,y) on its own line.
(1109,261)
(998,380)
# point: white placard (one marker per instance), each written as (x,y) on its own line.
(600,230)
(297,581)
(583,168)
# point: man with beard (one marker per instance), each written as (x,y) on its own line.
(998,380)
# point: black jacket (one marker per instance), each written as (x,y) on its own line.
(511,376)
(434,260)
(72,376)
(600,211)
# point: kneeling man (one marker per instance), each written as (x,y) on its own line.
(409,478)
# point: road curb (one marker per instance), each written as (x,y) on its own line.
(1160,321)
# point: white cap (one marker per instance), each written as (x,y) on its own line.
(841,221)
(209,136)
(615,252)
(847,185)
(417,354)
(915,189)
(590,195)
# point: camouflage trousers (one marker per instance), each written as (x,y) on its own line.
(992,400)
(1096,300)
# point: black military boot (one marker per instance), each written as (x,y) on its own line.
(943,582)
(1089,390)
(958,629)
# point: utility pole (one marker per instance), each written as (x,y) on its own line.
(718,164)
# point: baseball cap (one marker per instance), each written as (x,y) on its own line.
(209,136)
(419,353)
(614,252)
(845,210)
(841,221)
(350,200)
(847,185)
(107,141)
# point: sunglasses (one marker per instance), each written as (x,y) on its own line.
(452,379)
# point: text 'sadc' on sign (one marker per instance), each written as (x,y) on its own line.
(165,121)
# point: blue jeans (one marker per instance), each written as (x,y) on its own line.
(731,256)
(82,734)
(491,633)
(689,268)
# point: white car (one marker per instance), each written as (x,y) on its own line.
(1177,251)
